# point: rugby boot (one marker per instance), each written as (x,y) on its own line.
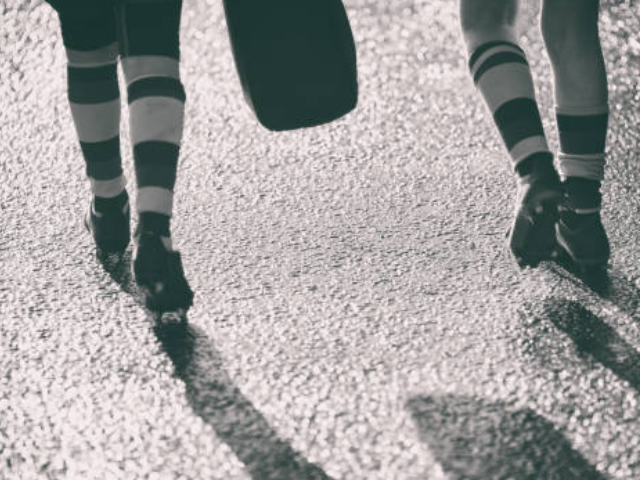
(580,233)
(160,275)
(532,234)
(109,224)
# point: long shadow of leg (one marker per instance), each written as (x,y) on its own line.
(215,399)
(594,337)
(477,439)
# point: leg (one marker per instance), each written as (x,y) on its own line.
(570,31)
(92,53)
(149,34)
(500,71)
(156,105)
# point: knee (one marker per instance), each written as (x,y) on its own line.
(487,20)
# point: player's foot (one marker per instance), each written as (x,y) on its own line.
(108,222)
(532,234)
(159,274)
(579,231)
(582,236)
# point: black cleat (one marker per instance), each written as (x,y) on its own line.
(109,227)
(532,234)
(160,276)
(582,236)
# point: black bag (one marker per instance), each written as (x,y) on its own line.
(296,60)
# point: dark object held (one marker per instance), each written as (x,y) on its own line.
(296,60)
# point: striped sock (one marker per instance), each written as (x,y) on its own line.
(582,133)
(94,98)
(156,107)
(500,71)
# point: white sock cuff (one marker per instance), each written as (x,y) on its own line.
(590,167)
(580,111)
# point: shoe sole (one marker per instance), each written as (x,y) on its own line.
(532,236)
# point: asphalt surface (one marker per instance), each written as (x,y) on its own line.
(357,313)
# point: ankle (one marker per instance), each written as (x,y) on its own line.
(156,224)
(583,193)
(537,164)
(118,202)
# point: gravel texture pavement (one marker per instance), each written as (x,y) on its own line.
(357,313)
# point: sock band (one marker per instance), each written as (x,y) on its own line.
(582,133)
(518,120)
(156,164)
(82,74)
(92,85)
(500,58)
(156,119)
(156,87)
(101,151)
(573,166)
(155,199)
(96,122)
(522,150)
(95,58)
(108,188)
(482,49)
(143,66)
(102,158)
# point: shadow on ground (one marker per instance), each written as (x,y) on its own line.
(214,397)
(592,337)
(477,439)
(610,285)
